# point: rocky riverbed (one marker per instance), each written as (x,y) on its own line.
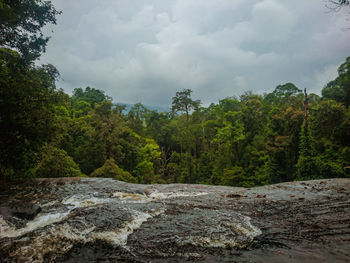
(102,220)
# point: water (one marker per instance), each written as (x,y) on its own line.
(154,196)
(133,219)
(120,236)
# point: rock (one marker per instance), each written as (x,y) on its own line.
(102,220)
(24,210)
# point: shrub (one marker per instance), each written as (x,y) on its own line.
(110,169)
(56,162)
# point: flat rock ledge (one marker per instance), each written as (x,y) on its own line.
(103,220)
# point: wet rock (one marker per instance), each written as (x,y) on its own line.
(102,220)
(22,210)
(95,252)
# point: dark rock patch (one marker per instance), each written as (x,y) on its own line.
(22,210)
(95,252)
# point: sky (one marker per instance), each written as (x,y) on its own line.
(147,50)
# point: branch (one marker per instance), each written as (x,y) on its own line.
(335,6)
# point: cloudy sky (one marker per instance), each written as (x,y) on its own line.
(146,50)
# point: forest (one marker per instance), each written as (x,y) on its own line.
(250,140)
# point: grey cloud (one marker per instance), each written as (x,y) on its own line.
(147,50)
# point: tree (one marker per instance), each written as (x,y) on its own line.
(56,163)
(98,134)
(81,108)
(89,95)
(21,22)
(336,5)
(137,117)
(282,93)
(282,142)
(27,93)
(339,89)
(27,112)
(227,144)
(252,114)
(110,169)
(327,121)
(148,162)
(119,108)
(183,102)
(306,166)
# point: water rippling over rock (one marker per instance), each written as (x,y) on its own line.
(93,220)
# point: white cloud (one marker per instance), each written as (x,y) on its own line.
(146,51)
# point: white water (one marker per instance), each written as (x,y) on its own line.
(39,221)
(84,201)
(120,236)
(59,238)
(43,220)
(131,198)
(244,229)
(5,228)
(167,195)
(154,196)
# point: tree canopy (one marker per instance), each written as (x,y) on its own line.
(250,140)
(182,102)
(339,89)
(21,22)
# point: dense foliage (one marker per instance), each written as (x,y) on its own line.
(21,24)
(251,140)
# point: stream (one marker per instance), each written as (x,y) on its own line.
(103,220)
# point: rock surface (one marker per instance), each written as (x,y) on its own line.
(102,220)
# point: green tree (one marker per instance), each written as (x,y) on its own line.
(110,169)
(339,89)
(282,142)
(329,126)
(233,177)
(21,22)
(205,168)
(282,93)
(253,115)
(99,135)
(81,108)
(328,121)
(182,102)
(89,95)
(227,142)
(28,117)
(148,162)
(56,163)
(306,166)
(137,117)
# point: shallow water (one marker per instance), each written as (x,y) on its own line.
(89,220)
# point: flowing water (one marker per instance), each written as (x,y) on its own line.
(102,220)
(92,211)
